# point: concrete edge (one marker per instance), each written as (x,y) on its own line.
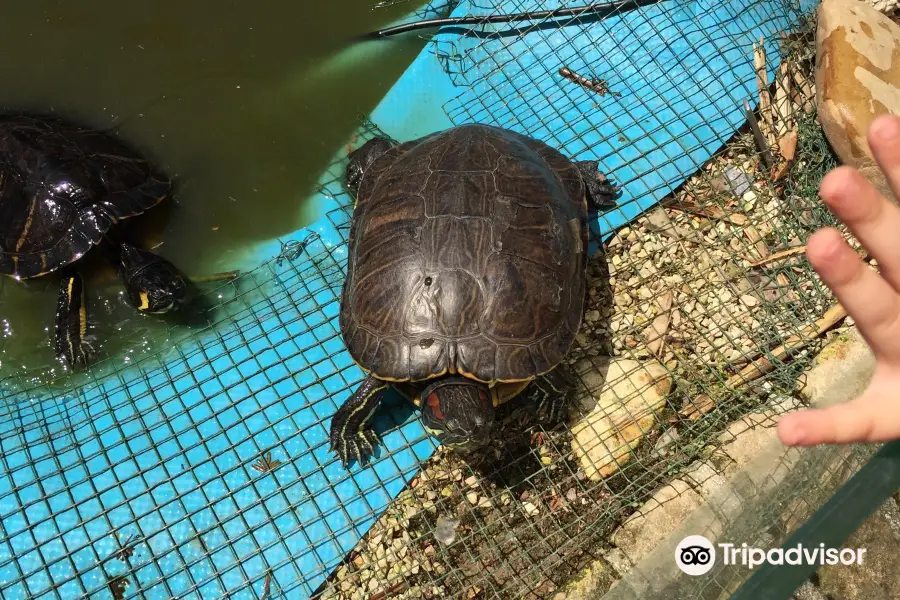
(840,372)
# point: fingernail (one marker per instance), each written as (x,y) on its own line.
(886,128)
(791,434)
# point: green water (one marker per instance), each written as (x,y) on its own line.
(242,103)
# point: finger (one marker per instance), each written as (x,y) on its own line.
(870,216)
(865,296)
(884,140)
(867,419)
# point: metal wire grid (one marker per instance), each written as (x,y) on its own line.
(513,552)
(195,474)
(502,88)
(771,509)
(174,450)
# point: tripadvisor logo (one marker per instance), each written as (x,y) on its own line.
(696,555)
(795,555)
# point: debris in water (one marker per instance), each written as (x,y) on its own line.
(595,85)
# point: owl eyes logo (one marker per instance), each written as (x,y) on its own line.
(695,555)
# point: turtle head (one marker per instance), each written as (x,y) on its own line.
(362,158)
(153,284)
(458,412)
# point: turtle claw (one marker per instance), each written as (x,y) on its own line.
(359,447)
(554,396)
(352,437)
(81,354)
(552,410)
(602,193)
(85,352)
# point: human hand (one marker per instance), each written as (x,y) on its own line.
(872,299)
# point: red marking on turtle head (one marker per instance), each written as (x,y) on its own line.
(435,405)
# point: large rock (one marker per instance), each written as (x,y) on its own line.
(627,396)
(857,79)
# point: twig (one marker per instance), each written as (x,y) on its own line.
(599,86)
(757,134)
(758,244)
(764,365)
(797,250)
(689,205)
(391,591)
(779,255)
(266,584)
(762,85)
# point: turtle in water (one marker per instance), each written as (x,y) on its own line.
(466,279)
(63,188)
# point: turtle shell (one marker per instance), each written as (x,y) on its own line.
(62,187)
(467,255)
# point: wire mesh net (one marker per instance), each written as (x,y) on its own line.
(205,472)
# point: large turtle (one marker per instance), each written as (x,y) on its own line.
(465,279)
(62,189)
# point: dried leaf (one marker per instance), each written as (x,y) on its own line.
(267,584)
(762,250)
(556,502)
(788,145)
(779,171)
(698,407)
(782,99)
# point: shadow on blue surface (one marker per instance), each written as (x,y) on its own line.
(165,449)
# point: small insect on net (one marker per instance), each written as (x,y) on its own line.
(205,472)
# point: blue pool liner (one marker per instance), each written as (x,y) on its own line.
(163,449)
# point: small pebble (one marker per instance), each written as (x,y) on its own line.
(445,529)
(530,508)
(738,181)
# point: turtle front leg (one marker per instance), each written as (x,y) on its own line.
(352,436)
(70,329)
(554,393)
(601,192)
